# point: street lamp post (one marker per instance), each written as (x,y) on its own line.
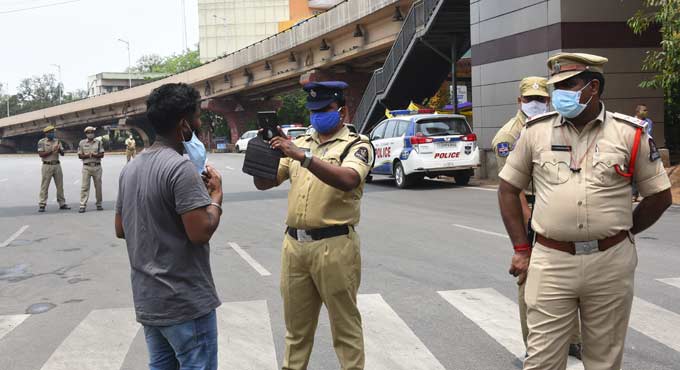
(61,88)
(127,43)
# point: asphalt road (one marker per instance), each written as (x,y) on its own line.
(435,292)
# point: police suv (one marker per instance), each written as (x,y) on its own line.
(414,144)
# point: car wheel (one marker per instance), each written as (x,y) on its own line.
(400,178)
(238,150)
(462,178)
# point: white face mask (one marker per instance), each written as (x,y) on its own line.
(90,136)
(534,108)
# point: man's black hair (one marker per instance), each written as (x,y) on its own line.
(588,76)
(169,104)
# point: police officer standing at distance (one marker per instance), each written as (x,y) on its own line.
(91,151)
(582,160)
(130,147)
(49,149)
(321,261)
(533,101)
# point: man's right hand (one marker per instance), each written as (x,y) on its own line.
(520,265)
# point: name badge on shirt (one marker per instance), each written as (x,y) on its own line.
(561,148)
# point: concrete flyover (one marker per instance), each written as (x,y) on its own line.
(347,42)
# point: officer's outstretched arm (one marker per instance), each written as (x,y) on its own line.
(341,178)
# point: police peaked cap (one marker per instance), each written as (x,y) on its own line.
(322,94)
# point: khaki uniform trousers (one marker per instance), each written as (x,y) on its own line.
(575,335)
(326,271)
(50,171)
(130,154)
(94,173)
(599,286)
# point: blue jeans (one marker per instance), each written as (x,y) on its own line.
(191,345)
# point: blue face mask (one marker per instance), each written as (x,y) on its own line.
(325,122)
(50,135)
(196,152)
(567,103)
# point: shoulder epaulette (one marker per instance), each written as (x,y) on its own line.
(635,122)
(540,117)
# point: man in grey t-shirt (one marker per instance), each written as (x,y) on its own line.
(167,212)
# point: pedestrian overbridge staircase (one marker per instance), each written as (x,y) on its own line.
(435,34)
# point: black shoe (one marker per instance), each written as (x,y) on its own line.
(41,209)
(65,206)
(100,208)
(81,210)
(575,350)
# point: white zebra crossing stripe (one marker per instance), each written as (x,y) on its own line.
(10,322)
(671,281)
(245,337)
(101,341)
(389,342)
(497,315)
(656,322)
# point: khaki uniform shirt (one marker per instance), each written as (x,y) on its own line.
(312,204)
(47,145)
(130,143)
(506,138)
(90,147)
(594,203)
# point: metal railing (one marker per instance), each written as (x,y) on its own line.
(418,16)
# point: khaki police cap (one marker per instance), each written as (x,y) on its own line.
(534,86)
(48,128)
(567,65)
(90,128)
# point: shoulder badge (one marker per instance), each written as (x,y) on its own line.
(503,149)
(653,151)
(540,117)
(630,120)
(362,154)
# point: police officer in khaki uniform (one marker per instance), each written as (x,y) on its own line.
(91,152)
(321,262)
(533,101)
(49,149)
(130,148)
(582,160)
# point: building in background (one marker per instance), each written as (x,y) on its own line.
(226,26)
(108,82)
(229,25)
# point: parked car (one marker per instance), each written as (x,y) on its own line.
(242,143)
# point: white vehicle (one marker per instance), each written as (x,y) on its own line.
(416,144)
(242,143)
(293,131)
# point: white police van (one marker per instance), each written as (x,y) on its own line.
(414,144)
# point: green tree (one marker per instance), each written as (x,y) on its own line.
(176,63)
(293,108)
(37,92)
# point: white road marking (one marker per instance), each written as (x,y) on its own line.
(656,322)
(390,343)
(10,322)
(251,261)
(14,236)
(75,182)
(101,341)
(3,180)
(479,188)
(497,315)
(482,231)
(671,281)
(229,168)
(245,337)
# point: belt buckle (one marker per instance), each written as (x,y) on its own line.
(583,248)
(302,236)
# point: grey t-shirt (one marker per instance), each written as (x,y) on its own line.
(171,278)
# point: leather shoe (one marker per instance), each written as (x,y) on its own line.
(65,206)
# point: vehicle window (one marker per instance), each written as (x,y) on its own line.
(296,133)
(389,131)
(402,126)
(442,127)
(379,132)
(245,135)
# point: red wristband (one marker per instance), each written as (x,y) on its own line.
(522,248)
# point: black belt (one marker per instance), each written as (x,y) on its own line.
(317,234)
(92,164)
(50,162)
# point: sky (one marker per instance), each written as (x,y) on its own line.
(82,36)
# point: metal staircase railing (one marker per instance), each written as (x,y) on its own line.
(418,16)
